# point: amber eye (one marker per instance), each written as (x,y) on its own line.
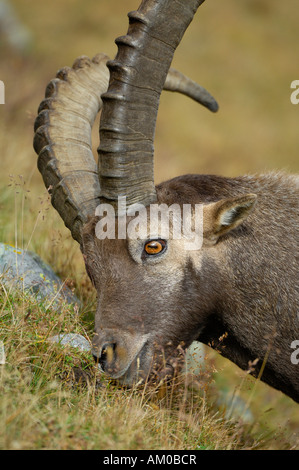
(154,247)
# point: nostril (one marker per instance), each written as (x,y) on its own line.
(108,351)
(106,356)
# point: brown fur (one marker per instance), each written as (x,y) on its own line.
(243,282)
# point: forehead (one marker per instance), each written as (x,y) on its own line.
(118,263)
(111,235)
(140,222)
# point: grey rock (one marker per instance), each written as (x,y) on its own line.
(25,270)
(16,33)
(195,358)
(72,339)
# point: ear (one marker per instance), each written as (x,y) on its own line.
(222,216)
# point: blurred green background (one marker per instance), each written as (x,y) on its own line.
(244,52)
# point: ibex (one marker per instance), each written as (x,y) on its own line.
(239,291)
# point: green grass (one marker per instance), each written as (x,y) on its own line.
(245,54)
(53,397)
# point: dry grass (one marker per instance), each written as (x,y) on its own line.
(246,54)
(52,397)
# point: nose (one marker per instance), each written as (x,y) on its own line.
(106,356)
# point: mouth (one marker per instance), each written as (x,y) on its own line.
(137,370)
(126,365)
(149,365)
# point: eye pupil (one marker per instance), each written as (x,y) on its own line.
(154,247)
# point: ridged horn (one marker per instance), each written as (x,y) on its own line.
(63,134)
(130,106)
(63,139)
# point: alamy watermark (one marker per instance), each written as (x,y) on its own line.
(155,221)
(2,353)
(295,344)
(295,94)
(295,354)
(2,92)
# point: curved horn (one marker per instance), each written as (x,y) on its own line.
(177,81)
(130,106)
(63,139)
(63,134)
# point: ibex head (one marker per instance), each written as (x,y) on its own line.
(126,325)
(155,294)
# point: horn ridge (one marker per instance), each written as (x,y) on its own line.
(63,139)
(138,73)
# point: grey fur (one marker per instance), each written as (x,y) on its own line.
(243,285)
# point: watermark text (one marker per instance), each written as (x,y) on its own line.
(295,354)
(295,94)
(2,92)
(156,221)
